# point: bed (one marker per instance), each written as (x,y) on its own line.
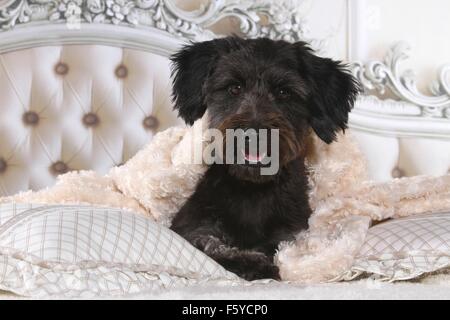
(86,84)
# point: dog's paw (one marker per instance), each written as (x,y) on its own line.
(262,271)
(251,266)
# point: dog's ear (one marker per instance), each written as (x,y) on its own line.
(191,67)
(331,94)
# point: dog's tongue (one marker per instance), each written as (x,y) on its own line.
(254,157)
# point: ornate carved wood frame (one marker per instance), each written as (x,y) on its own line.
(412,113)
(155,25)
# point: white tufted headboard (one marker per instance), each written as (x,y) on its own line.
(84,84)
(409,134)
(77,107)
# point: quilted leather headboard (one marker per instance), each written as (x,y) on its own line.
(77,107)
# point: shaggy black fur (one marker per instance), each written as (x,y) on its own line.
(237,216)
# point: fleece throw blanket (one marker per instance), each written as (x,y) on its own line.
(159,179)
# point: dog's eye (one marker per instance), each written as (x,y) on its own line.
(283,93)
(235,89)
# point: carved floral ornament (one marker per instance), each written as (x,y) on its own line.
(279,19)
(379,76)
(282,18)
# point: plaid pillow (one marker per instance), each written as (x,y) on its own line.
(85,251)
(405,248)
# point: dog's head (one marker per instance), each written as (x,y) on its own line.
(263,84)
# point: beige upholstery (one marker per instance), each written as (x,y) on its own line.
(77,107)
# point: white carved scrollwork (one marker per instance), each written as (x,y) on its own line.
(13,12)
(379,76)
(283,19)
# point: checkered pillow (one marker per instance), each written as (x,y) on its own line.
(405,248)
(84,251)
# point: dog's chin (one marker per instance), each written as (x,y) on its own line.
(249,173)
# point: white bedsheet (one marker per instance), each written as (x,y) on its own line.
(433,287)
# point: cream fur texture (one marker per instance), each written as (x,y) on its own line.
(158,180)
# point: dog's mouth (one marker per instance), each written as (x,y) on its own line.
(253,152)
(254,158)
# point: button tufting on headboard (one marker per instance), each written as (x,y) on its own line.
(30,118)
(397,173)
(91,119)
(61,68)
(151,123)
(59,167)
(82,117)
(121,71)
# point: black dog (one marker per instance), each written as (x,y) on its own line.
(237,216)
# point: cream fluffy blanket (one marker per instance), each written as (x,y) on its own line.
(158,180)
